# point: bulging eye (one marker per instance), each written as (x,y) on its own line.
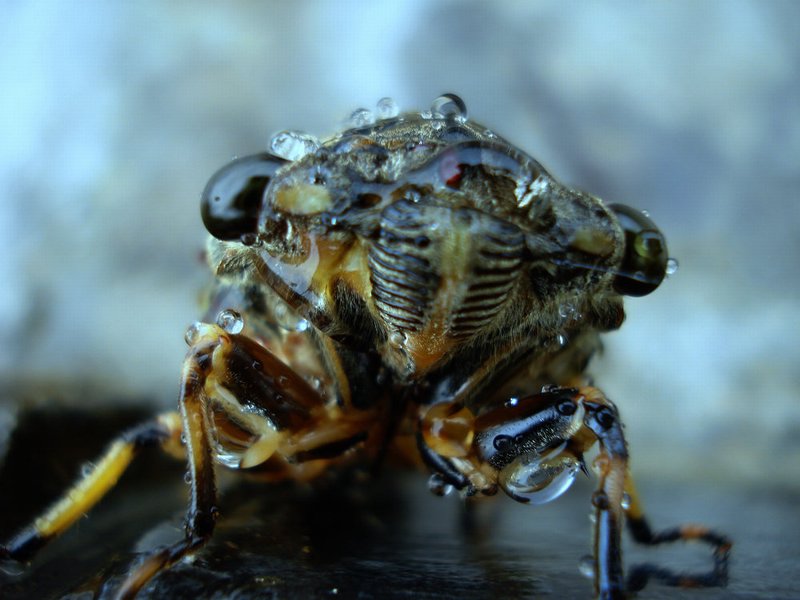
(644,263)
(540,479)
(232,198)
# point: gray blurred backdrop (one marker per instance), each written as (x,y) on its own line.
(115,114)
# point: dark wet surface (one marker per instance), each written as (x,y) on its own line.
(388,538)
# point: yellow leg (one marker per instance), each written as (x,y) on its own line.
(89,490)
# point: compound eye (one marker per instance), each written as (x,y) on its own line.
(644,263)
(232,198)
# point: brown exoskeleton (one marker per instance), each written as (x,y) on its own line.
(420,276)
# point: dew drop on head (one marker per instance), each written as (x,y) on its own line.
(387,108)
(449,106)
(292,144)
(361,117)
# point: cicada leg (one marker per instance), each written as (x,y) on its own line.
(163,431)
(616,496)
(640,574)
(243,407)
(202,511)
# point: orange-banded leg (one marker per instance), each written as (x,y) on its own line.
(640,574)
(162,431)
(532,448)
(615,495)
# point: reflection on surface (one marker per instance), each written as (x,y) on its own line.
(387,538)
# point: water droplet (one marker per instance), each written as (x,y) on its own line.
(193,333)
(540,478)
(586,566)
(567,310)
(283,380)
(293,145)
(302,325)
(600,500)
(645,214)
(438,486)
(550,387)
(562,339)
(315,383)
(592,518)
(13,568)
(490,134)
(672,266)
(426,114)
(387,108)
(398,338)
(187,477)
(334,591)
(86,469)
(361,117)
(513,401)
(231,321)
(449,106)
(626,501)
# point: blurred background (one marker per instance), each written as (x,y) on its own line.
(114,115)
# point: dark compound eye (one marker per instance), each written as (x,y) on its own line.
(232,198)
(645,261)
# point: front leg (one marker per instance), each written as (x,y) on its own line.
(202,511)
(533,447)
(243,407)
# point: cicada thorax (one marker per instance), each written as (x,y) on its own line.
(441,275)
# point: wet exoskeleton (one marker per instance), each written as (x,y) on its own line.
(415,277)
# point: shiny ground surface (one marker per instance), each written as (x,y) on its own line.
(388,538)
